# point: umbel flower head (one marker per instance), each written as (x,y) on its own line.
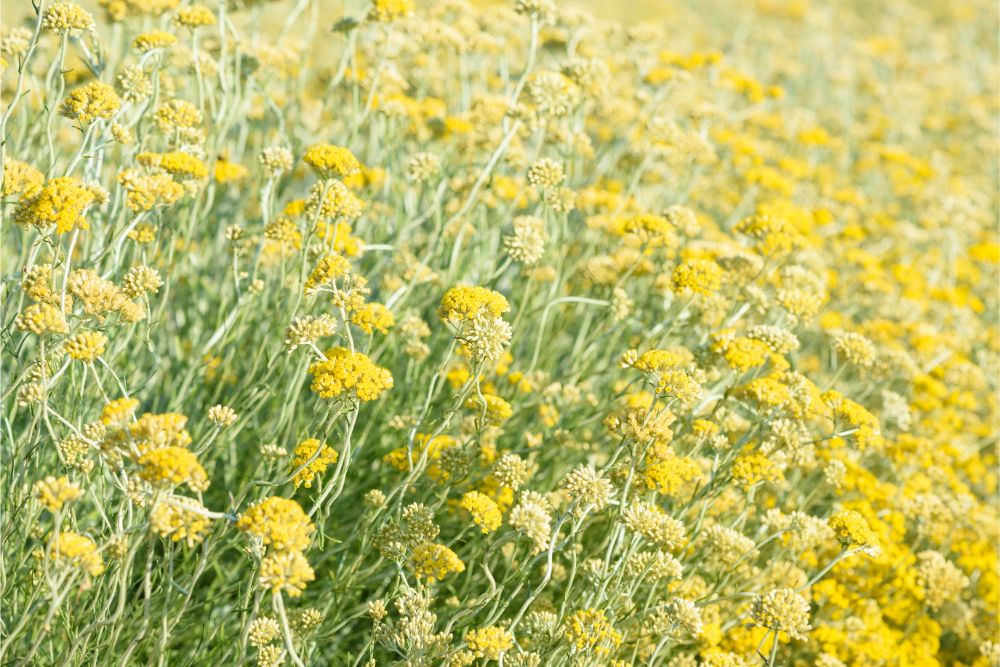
(66,18)
(782,610)
(77,551)
(329,161)
(90,102)
(180,519)
(54,493)
(466,302)
(385,11)
(280,523)
(286,572)
(485,512)
(433,562)
(41,319)
(311,459)
(589,630)
(654,525)
(486,338)
(853,530)
(489,642)
(345,373)
(172,466)
(86,345)
(61,202)
(527,244)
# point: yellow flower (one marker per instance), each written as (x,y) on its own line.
(468,302)
(852,530)
(313,458)
(754,467)
(86,345)
(155,39)
(373,316)
(589,630)
(279,523)
(668,473)
(66,18)
(194,16)
(496,409)
(329,161)
(90,102)
(77,551)
(344,372)
(702,276)
(229,172)
(328,269)
(489,642)
(61,202)
(385,11)
(180,518)
(485,513)
(41,319)
(177,163)
(286,572)
(172,466)
(54,493)
(782,610)
(433,562)
(20,178)
(743,354)
(119,411)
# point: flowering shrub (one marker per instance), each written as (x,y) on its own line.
(447,334)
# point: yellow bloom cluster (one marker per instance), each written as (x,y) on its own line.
(61,202)
(311,458)
(433,562)
(86,345)
(489,643)
(590,630)
(345,372)
(852,529)
(466,302)
(485,512)
(77,551)
(91,102)
(279,523)
(54,493)
(172,466)
(180,519)
(330,161)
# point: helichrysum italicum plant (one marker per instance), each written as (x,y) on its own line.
(455,333)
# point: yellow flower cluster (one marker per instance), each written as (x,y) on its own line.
(590,630)
(485,512)
(173,466)
(76,551)
(86,345)
(279,523)
(330,161)
(91,102)
(344,372)
(311,458)
(433,562)
(489,643)
(61,202)
(54,493)
(467,302)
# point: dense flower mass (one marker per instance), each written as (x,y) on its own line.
(467,332)
(344,372)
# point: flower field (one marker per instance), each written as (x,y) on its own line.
(450,333)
